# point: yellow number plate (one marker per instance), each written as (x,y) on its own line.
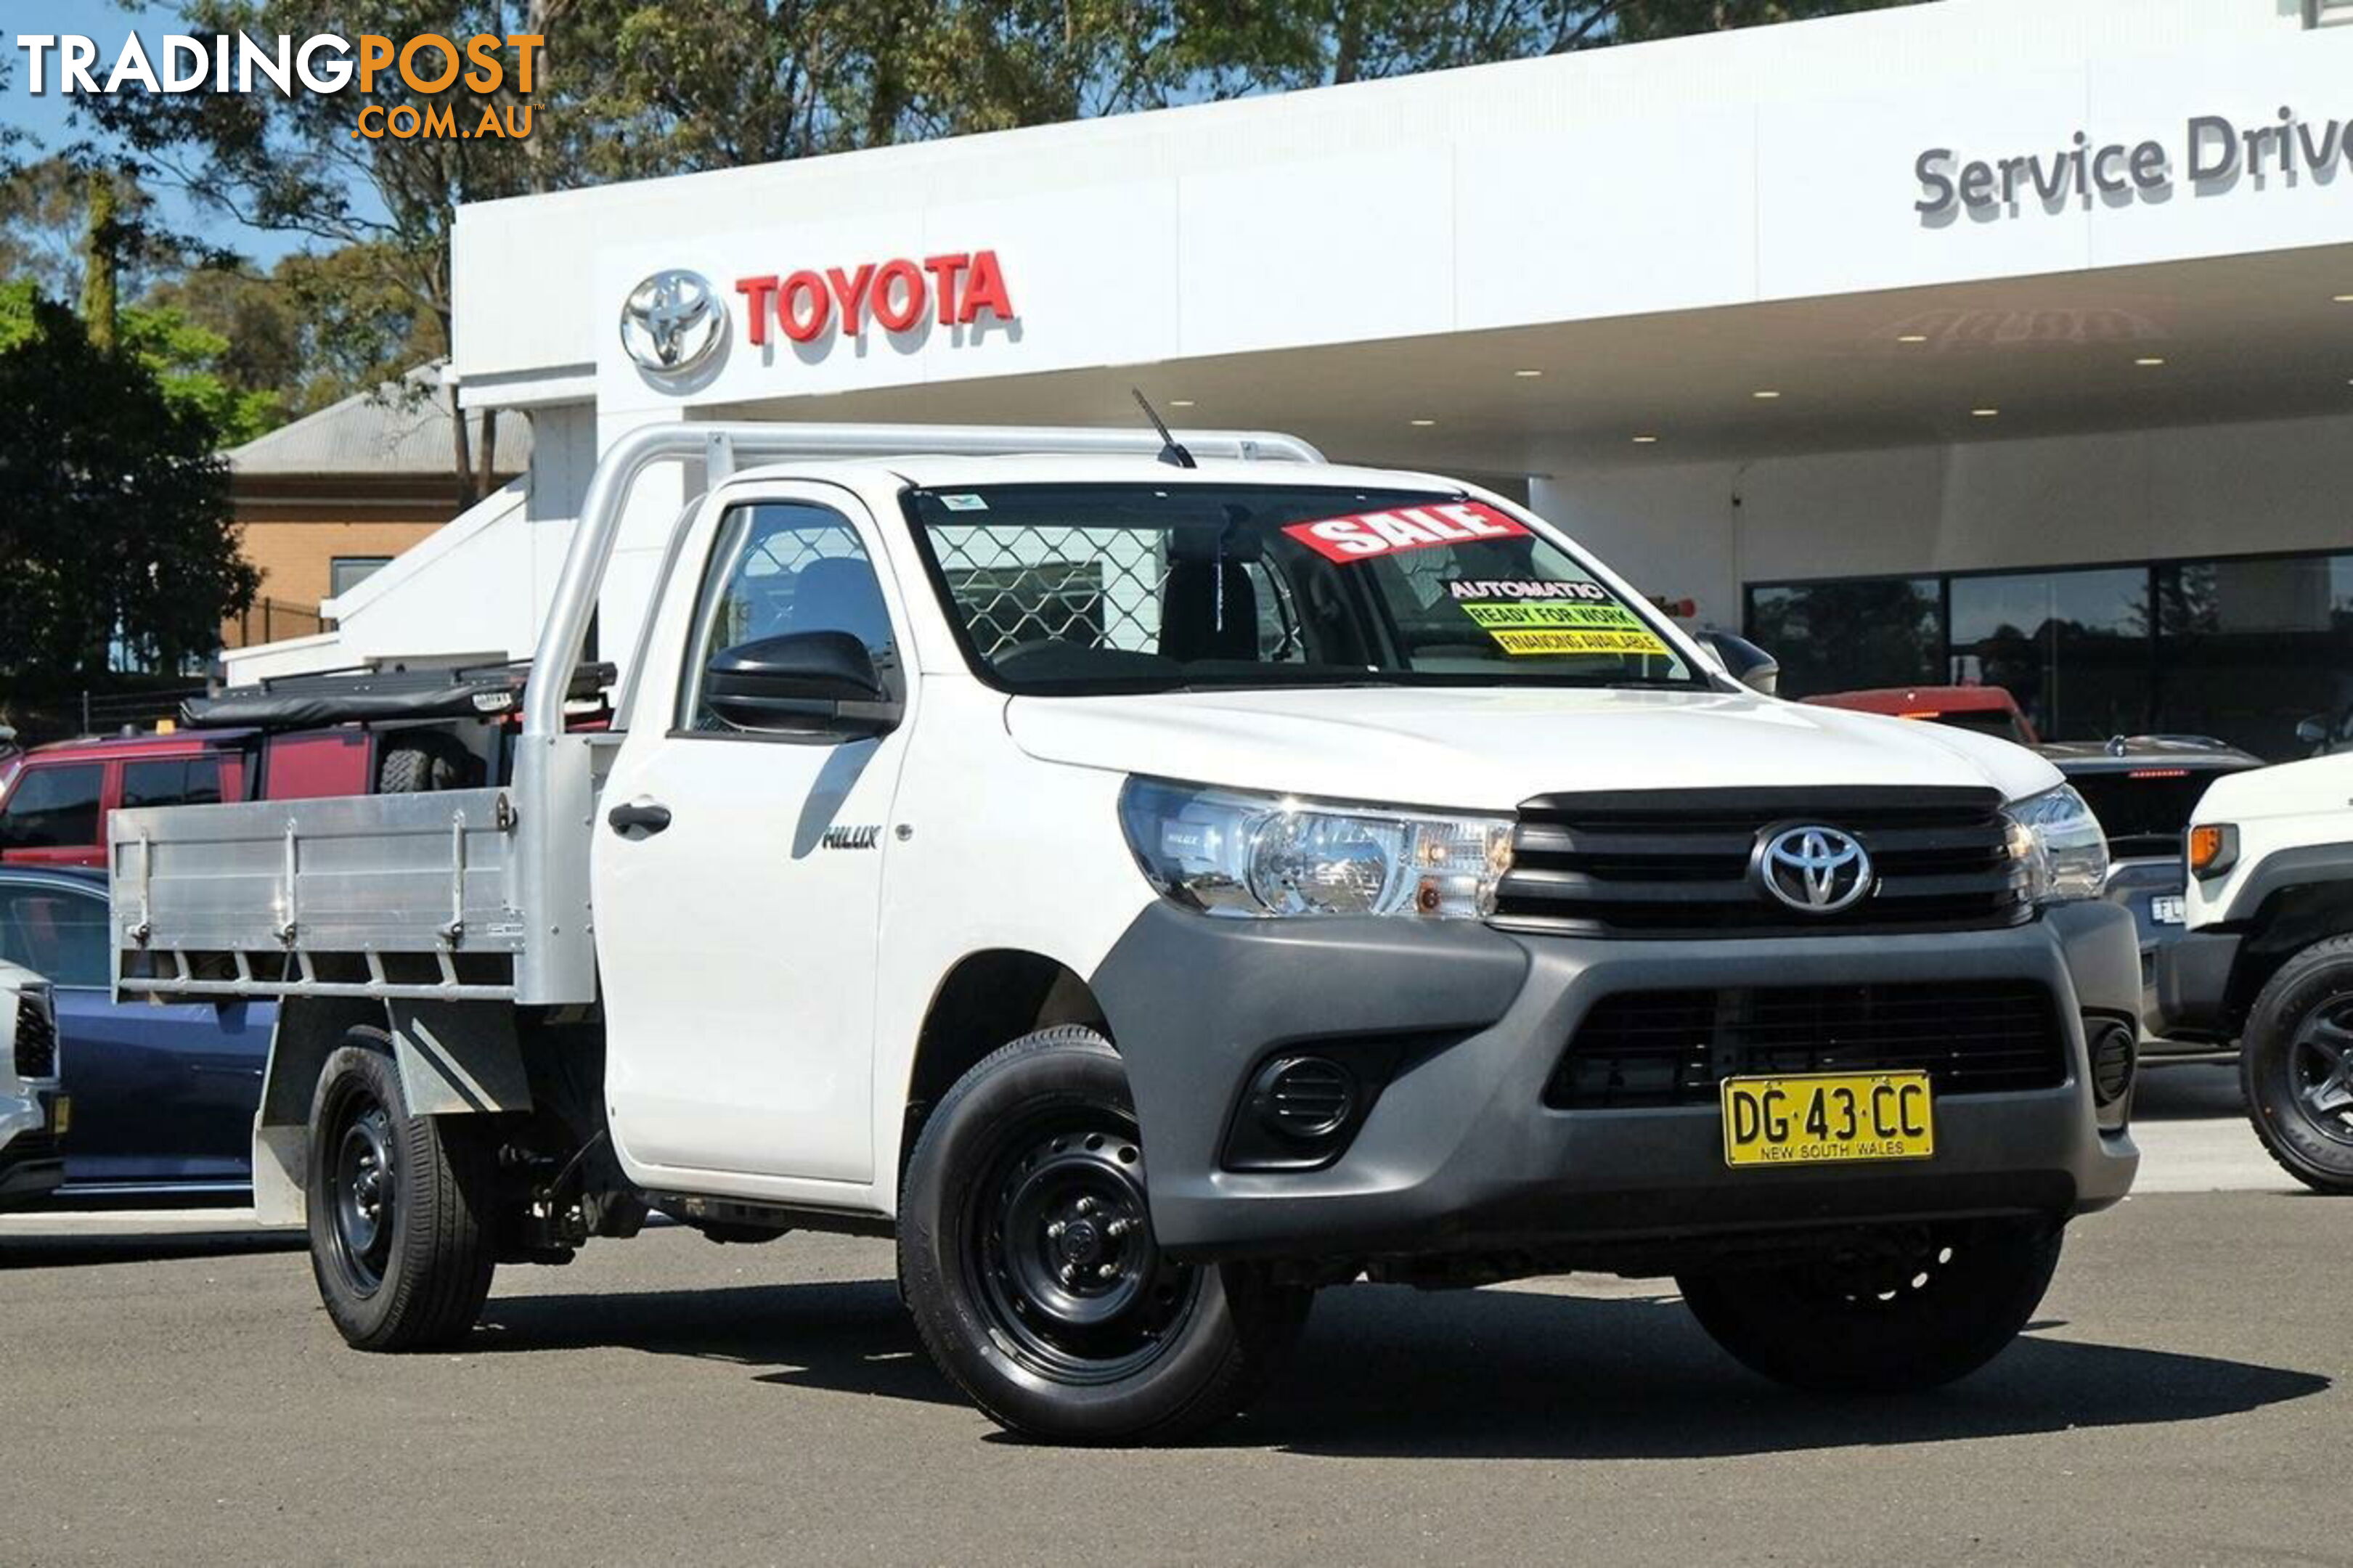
(1822,1119)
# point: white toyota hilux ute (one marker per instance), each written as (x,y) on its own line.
(1156,888)
(2267,960)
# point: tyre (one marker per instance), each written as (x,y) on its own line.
(2296,1064)
(400,1207)
(417,762)
(1027,1258)
(1936,1306)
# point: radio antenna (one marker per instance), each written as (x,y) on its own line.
(1171,451)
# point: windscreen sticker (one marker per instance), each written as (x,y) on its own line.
(1367,535)
(964,501)
(1637,642)
(1552,626)
(1528,588)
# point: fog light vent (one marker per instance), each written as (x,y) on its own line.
(1305,1098)
(2112,1055)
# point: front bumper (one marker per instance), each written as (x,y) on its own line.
(31,1163)
(2193,987)
(1461,1155)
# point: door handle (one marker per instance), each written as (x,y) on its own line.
(638,817)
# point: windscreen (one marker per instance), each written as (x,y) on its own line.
(1077,589)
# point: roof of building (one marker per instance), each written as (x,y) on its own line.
(399,429)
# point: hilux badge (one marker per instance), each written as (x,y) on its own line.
(1814,869)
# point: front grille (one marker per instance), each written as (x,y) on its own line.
(1677,862)
(36,1041)
(1672,1047)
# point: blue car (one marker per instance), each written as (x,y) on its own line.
(163,1096)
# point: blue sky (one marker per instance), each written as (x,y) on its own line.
(47,117)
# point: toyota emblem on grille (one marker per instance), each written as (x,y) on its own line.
(672,322)
(1815,869)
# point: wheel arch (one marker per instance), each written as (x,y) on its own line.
(987,1000)
(453,1057)
(309,1029)
(2289,920)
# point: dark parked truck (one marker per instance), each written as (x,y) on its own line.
(1155,889)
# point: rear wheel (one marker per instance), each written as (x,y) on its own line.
(1916,1311)
(2297,1065)
(1027,1256)
(400,1207)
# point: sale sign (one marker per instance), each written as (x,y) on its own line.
(1363,535)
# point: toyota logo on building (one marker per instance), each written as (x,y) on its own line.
(1819,870)
(672,322)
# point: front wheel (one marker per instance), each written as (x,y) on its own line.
(1913,1311)
(2297,1065)
(400,1218)
(1027,1257)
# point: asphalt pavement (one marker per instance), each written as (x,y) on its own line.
(172,1389)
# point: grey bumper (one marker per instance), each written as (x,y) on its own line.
(1460,1153)
(2193,987)
(31,1165)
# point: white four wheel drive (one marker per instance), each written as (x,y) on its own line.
(2267,960)
(1154,889)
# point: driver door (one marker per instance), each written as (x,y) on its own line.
(738,871)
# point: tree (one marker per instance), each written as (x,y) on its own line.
(311,331)
(117,530)
(296,164)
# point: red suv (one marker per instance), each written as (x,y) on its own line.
(55,799)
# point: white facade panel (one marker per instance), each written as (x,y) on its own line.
(1571,227)
(1336,249)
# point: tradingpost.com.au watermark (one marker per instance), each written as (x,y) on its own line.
(428,64)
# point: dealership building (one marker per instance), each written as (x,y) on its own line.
(1985,339)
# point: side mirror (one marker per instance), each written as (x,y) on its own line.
(807,681)
(1746,662)
(2313,731)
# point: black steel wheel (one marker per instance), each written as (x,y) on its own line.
(1028,1260)
(1059,1243)
(2296,1066)
(366,1184)
(400,1207)
(1900,1310)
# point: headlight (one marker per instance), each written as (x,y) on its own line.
(2062,843)
(1226,853)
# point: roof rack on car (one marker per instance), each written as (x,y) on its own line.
(363,695)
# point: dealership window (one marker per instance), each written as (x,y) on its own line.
(2238,648)
(2070,646)
(345,573)
(2247,648)
(1857,632)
